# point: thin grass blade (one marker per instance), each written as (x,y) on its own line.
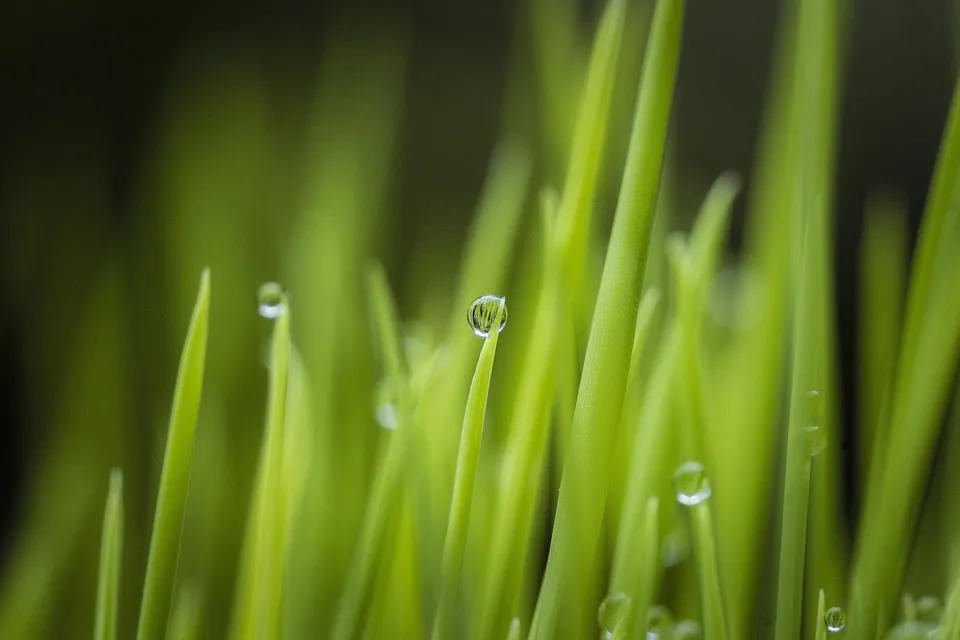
(459,519)
(111,556)
(175,475)
(583,487)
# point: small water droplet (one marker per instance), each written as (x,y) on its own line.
(483,312)
(686,630)
(835,619)
(659,621)
(612,613)
(816,440)
(690,483)
(385,405)
(929,608)
(271,300)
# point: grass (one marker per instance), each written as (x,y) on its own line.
(175,477)
(535,498)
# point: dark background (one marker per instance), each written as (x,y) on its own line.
(105,67)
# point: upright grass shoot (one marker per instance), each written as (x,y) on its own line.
(175,476)
(583,486)
(470,439)
(111,556)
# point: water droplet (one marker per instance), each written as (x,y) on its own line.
(835,619)
(816,440)
(659,621)
(690,483)
(929,608)
(676,545)
(271,300)
(612,613)
(483,312)
(686,630)
(385,405)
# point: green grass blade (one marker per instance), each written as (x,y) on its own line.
(796,493)
(927,358)
(648,563)
(111,556)
(584,484)
(459,519)
(820,628)
(385,493)
(587,147)
(526,449)
(712,607)
(269,553)
(883,264)
(175,476)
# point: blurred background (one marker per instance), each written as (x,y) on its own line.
(142,141)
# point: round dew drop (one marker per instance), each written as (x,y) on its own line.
(271,300)
(690,483)
(612,613)
(483,312)
(816,440)
(835,619)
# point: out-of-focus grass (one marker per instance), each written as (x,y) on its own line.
(348,512)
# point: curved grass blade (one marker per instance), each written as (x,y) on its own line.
(175,475)
(583,487)
(459,519)
(111,556)
(526,447)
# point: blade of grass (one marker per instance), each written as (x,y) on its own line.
(599,402)
(648,562)
(820,629)
(269,550)
(883,264)
(525,449)
(796,493)
(385,493)
(111,556)
(175,476)
(926,362)
(459,519)
(689,385)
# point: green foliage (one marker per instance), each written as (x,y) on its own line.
(358,509)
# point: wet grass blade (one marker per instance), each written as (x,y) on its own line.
(470,439)
(175,475)
(796,493)
(269,552)
(599,402)
(111,555)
